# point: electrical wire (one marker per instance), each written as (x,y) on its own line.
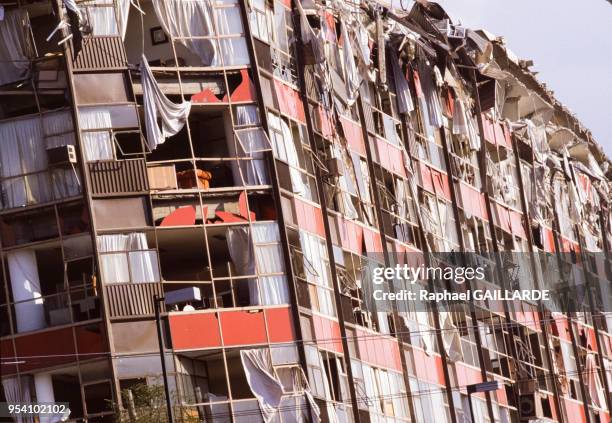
(317,342)
(367,400)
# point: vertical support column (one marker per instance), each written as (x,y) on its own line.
(29,307)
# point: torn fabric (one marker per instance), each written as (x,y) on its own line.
(404,98)
(596,389)
(156,105)
(351,75)
(266,388)
(450,337)
(309,37)
(190,18)
(434,107)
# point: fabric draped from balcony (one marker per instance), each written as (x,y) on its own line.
(16,47)
(259,374)
(23,152)
(404,98)
(156,105)
(431,96)
(127,258)
(258,252)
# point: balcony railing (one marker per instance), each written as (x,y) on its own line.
(132,299)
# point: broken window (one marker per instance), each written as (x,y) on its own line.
(195,34)
(290,145)
(312,266)
(439,222)
(380,392)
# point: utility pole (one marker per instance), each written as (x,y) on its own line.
(157,300)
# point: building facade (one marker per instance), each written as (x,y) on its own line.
(252,162)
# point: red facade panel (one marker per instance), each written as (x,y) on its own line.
(309,217)
(354,135)
(243,327)
(377,350)
(45,349)
(280,325)
(428,367)
(289,101)
(327,333)
(194,330)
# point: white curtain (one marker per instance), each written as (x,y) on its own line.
(101,18)
(253,142)
(129,253)
(15,46)
(58,131)
(97,145)
(259,254)
(22,150)
(269,261)
(267,389)
(247,115)
(234,50)
(18,392)
(189,18)
(157,105)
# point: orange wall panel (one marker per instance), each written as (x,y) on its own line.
(280,325)
(194,330)
(243,327)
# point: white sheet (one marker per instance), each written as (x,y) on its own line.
(266,388)
(156,105)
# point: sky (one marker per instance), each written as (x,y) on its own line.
(570,43)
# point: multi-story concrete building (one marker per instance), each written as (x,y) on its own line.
(252,162)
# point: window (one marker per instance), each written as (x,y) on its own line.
(316,271)
(26,177)
(288,142)
(127,258)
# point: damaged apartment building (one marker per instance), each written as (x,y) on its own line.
(251,162)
